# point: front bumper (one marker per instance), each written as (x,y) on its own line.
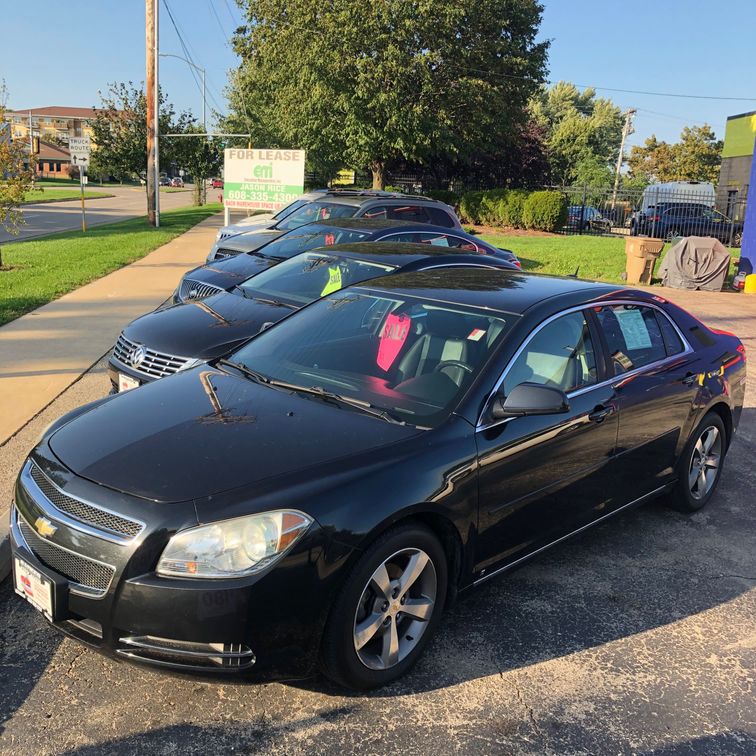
(267,624)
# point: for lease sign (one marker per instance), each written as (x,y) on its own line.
(262,179)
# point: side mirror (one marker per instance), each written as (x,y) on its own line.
(530,399)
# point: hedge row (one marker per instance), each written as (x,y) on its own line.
(541,211)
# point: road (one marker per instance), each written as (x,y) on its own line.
(127,202)
(636,638)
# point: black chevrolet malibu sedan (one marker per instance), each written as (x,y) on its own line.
(175,338)
(319,497)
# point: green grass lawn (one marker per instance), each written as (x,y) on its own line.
(58,195)
(38,271)
(599,258)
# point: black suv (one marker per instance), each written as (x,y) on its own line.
(357,204)
(668,220)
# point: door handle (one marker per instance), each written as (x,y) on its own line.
(690,379)
(600,413)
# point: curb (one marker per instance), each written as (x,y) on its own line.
(5,550)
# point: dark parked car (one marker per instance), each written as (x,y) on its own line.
(587,218)
(179,337)
(350,204)
(318,498)
(242,256)
(668,220)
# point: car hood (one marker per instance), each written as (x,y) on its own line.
(231,271)
(205,431)
(249,240)
(204,329)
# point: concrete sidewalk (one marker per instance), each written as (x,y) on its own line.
(44,352)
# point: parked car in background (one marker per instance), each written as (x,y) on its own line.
(587,218)
(177,181)
(176,338)
(316,499)
(262,221)
(216,183)
(676,219)
(164,181)
(353,204)
(678,192)
(241,256)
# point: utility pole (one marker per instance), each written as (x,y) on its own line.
(31,147)
(153,112)
(627,129)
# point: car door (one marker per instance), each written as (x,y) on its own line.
(542,477)
(655,377)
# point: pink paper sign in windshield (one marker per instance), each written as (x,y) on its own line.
(394,334)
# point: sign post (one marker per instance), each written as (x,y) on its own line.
(80,149)
(261,179)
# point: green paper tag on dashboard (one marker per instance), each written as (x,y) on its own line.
(334,280)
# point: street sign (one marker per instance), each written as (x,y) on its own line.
(80,149)
(262,179)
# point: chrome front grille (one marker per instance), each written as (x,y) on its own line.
(87,575)
(193,290)
(83,511)
(147,361)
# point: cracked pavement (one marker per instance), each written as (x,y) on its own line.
(637,637)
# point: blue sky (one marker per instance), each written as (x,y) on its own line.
(682,46)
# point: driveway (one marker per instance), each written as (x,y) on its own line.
(127,202)
(636,637)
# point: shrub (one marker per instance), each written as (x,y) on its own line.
(511,207)
(489,211)
(443,195)
(544,211)
(469,207)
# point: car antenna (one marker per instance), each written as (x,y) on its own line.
(575,274)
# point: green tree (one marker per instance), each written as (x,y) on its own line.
(119,132)
(696,157)
(201,157)
(16,173)
(583,132)
(372,84)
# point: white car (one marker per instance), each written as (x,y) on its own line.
(266,220)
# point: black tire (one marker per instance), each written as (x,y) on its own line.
(340,660)
(683,497)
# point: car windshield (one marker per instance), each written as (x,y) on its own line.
(406,358)
(309,276)
(309,237)
(289,209)
(316,211)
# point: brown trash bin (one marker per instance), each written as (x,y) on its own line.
(641,252)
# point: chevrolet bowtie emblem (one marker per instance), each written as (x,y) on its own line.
(44,527)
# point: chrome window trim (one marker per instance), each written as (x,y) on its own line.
(73,586)
(49,508)
(481,425)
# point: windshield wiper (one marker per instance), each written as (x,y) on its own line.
(358,404)
(274,302)
(244,370)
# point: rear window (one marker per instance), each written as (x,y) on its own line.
(632,335)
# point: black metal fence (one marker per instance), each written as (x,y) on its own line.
(660,211)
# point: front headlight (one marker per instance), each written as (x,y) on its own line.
(233,548)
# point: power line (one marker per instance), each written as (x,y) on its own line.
(220,25)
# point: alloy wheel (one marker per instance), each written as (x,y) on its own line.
(704,462)
(395,608)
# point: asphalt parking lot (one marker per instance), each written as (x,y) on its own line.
(636,637)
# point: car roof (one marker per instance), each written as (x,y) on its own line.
(362,198)
(397,253)
(361,224)
(511,291)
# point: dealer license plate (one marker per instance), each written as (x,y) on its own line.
(126,382)
(32,585)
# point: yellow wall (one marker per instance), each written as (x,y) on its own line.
(740,133)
